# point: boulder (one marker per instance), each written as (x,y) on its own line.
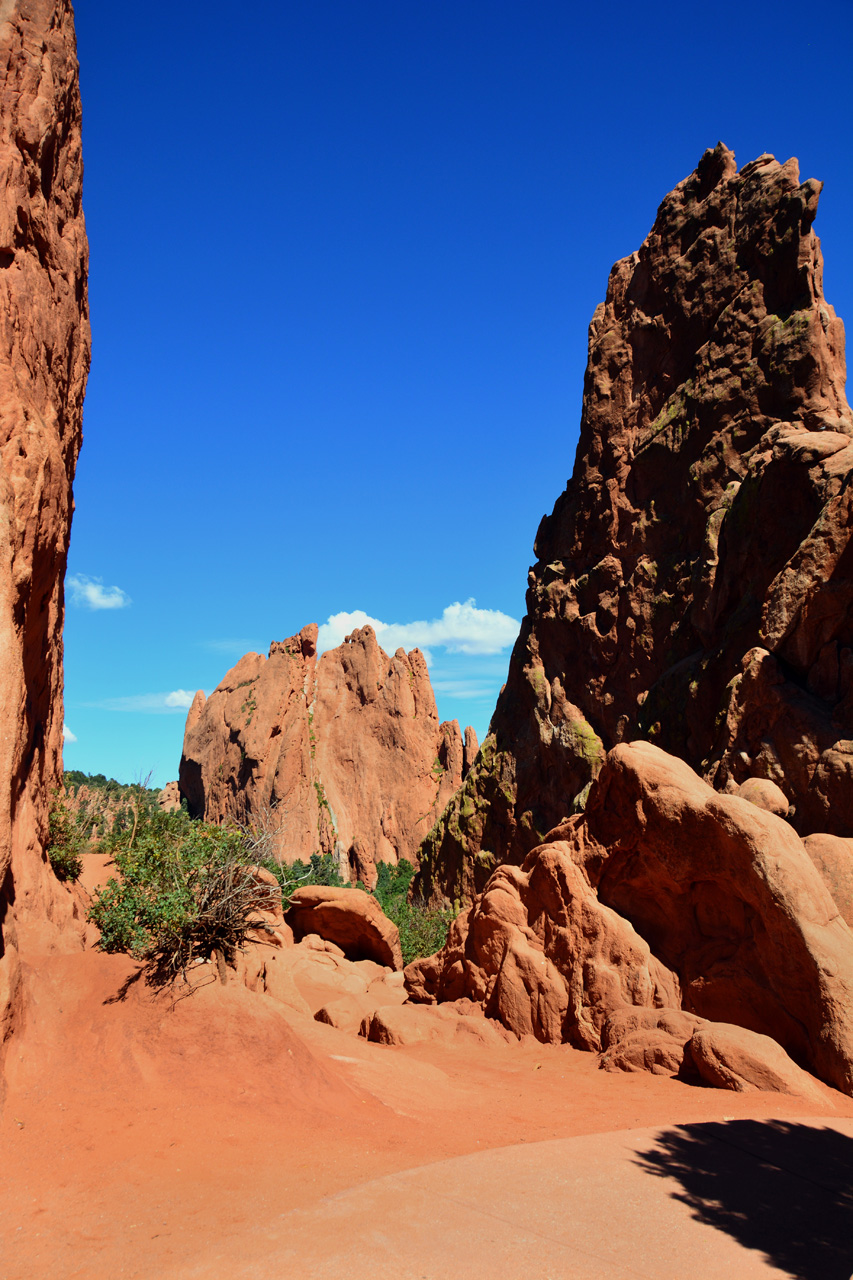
(346,1014)
(350,918)
(727,898)
(833,857)
(764,794)
(543,956)
(730,1057)
(664,903)
(643,1039)
(455,1024)
(673,1043)
(44,363)
(693,584)
(350,1012)
(285,743)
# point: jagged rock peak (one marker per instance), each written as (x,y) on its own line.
(339,754)
(693,583)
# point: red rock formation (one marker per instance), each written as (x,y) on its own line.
(694,583)
(343,755)
(44,361)
(471,748)
(664,905)
(764,794)
(169,798)
(350,918)
(833,857)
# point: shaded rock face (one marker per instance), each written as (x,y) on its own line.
(693,584)
(833,857)
(44,361)
(343,754)
(664,906)
(350,918)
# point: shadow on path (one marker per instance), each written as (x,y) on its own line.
(783,1188)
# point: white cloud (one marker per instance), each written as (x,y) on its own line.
(67,735)
(90,593)
(180,698)
(462,628)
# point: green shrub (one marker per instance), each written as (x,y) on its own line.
(65,841)
(321,868)
(423,930)
(185,894)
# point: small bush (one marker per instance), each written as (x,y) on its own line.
(321,868)
(65,841)
(423,930)
(185,894)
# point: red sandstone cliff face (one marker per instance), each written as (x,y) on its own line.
(44,362)
(694,582)
(343,754)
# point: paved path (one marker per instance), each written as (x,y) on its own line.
(742,1199)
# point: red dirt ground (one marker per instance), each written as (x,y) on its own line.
(146,1138)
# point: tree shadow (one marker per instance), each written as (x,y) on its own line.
(781,1188)
(161,979)
(121,995)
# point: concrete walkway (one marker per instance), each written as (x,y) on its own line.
(742,1199)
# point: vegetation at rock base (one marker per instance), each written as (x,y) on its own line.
(186,892)
(423,930)
(321,868)
(65,841)
(107,808)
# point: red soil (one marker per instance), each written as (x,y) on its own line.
(145,1138)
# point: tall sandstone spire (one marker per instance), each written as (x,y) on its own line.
(44,362)
(693,584)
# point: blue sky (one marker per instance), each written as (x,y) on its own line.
(343,260)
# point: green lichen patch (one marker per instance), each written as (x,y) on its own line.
(585,743)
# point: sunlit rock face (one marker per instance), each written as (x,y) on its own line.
(341,754)
(669,928)
(44,362)
(693,584)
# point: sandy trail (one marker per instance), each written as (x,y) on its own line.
(225,1136)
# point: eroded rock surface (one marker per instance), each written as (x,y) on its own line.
(693,584)
(664,906)
(350,918)
(833,857)
(44,362)
(343,754)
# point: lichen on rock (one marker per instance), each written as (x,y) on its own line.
(693,584)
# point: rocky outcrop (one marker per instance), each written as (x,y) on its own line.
(764,794)
(343,754)
(833,857)
(664,906)
(44,361)
(169,799)
(693,584)
(469,752)
(350,918)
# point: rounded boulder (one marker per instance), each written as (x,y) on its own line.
(350,918)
